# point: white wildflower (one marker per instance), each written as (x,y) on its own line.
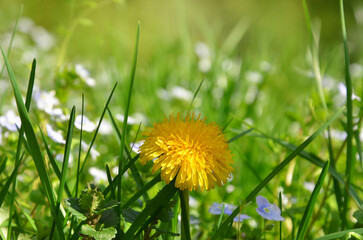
(84,74)
(105,128)
(254,77)
(94,153)
(87,125)
(135,147)
(343,91)
(10,121)
(98,174)
(202,50)
(204,65)
(45,100)
(42,38)
(181,93)
(56,136)
(265,66)
(59,157)
(136,118)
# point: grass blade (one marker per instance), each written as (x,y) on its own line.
(143,190)
(110,182)
(98,127)
(134,171)
(253,194)
(80,148)
(339,235)
(5,188)
(317,161)
(3,165)
(21,137)
(239,135)
(153,207)
(280,223)
(30,134)
(195,95)
(67,150)
(33,143)
(310,207)
(349,128)
(108,188)
(124,127)
(53,163)
(12,37)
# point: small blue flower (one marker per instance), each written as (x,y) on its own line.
(240,217)
(267,210)
(216,209)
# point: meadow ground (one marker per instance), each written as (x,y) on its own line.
(278,86)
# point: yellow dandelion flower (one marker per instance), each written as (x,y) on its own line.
(194,151)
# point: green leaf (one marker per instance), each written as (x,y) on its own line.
(358,215)
(37,197)
(72,204)
(338,235)
(110,204)
(104,234)
(146,187)
(3,164)
(166,232)
(130,214)
(6,187)
(152,209)
(91,201)
(110,218)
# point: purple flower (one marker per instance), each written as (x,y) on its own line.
(240,217)
(216,209)
(267,210)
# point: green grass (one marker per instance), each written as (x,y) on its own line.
(267,73)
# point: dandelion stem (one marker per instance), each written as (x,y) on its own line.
(184,203)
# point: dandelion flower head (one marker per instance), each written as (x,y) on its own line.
(193,151)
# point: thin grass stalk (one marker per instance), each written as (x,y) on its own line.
(310,207)
(21,135)
(315,56)
(97,128)
(280,223)
(124,127)
(80,148)
(195,95)
(12,38)
(67,150)
(349,105)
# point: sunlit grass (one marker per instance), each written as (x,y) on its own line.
(277,91)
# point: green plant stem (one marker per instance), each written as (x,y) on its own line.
(349,106)
(184,204)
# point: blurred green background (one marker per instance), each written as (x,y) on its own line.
(254,58)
